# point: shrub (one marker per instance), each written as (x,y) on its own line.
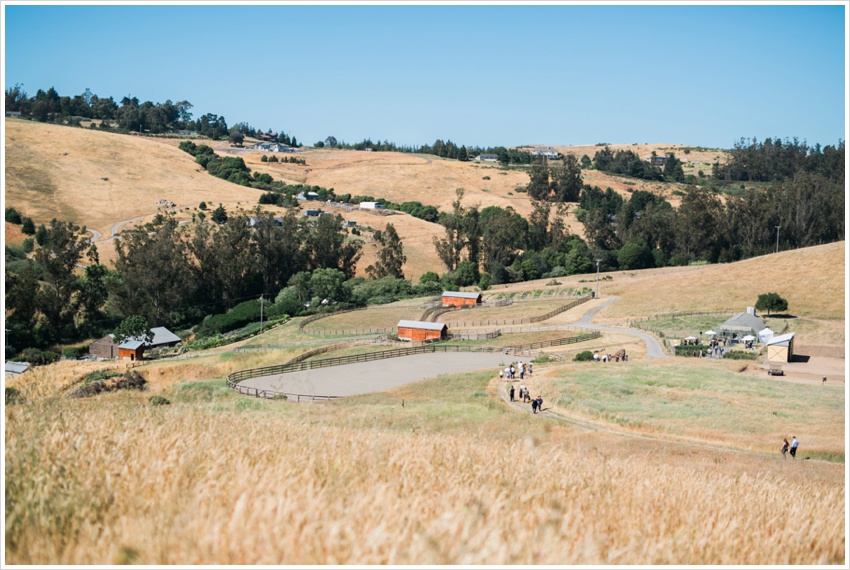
(740,355)
(36,357)
(583,356)
(27,226)
(689,349)
(159,401)
(13,216)
(238,316)
(74,352)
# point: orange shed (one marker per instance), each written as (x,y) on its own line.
(460,299)
(421,330)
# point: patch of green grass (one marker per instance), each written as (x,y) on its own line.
(202,391)
(698,401)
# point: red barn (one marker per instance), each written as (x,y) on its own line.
(421,330)
(460,299)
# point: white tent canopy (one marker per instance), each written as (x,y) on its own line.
(710,333)
(748,338)
(690,338)
(765,335)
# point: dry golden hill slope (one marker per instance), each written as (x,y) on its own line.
(811,279)
(98,179)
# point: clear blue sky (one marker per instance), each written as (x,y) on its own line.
(478,75)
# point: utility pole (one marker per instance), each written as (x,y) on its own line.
(261,314)
(777,238)
(597,278)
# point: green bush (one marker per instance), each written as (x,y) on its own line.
(158,401)
(36,357)
(13,216)
(74,352)
(238,316)
(688,349)
(740,355)
(583,356)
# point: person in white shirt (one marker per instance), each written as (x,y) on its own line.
(794,445)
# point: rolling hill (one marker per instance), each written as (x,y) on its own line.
(101,179)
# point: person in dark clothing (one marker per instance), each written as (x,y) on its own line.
(785,447)
(512,393)
(534,406)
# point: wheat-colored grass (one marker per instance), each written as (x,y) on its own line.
(450,478)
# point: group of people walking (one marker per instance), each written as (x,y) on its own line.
(510,372)
(792,447)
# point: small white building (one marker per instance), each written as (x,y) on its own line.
(371,206)
(486,158)
(545,151)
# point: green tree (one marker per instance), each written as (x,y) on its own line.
(154,276)
(57,298)
(566,181)
(133,327)
(771,302)
(391,258)
(13,216)
(450,247)
(236,138)
(635,255)
(27,226)
(219,215)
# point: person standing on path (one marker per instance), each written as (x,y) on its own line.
(794,445)
(785,448)
(534,406)
(512,393)
(501,374)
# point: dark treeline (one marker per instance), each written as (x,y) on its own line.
(628,163)
(127,115)
(167,275)
(441,148)
(774,159)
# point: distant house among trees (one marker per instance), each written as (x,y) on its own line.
(657,160)
(486,158)
(257,222)
(421,330)
(545,151)
(371,206)
(131,348)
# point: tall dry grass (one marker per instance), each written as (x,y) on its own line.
(238,481)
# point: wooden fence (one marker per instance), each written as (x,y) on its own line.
(234,379)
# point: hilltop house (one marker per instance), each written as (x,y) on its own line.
(546,152)
(486,158)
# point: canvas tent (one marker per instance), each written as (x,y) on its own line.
(766,335)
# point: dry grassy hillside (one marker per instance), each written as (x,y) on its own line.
(812,280)
(98,179)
